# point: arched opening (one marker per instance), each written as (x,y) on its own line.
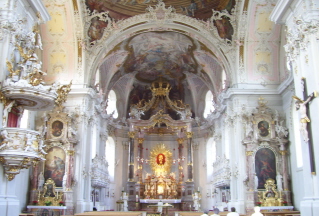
(111,106)
(209,104)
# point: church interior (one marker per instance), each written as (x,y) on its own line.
(157,107)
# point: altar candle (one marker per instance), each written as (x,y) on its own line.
(198,189)
(136,198)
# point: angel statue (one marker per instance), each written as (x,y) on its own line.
(304,119)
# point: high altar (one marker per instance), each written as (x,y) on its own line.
(158,171)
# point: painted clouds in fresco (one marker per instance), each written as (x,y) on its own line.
(168,54)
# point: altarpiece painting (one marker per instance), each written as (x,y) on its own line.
(55,165)
(265,166)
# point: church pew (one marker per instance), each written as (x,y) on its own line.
(200,213)
(113,213)
(279,213)
(225,213)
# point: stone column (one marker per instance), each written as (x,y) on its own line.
(189,157)
(286,191)
(131,157)
(140,163)
(180,161)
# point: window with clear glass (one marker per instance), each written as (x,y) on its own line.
(111,105)
(209,104)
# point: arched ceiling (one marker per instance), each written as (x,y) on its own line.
(175,57)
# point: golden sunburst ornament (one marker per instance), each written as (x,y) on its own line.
(161,159)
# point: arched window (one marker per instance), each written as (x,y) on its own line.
(110,156)
(111,105)
(209,104)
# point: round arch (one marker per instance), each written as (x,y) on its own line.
(152,22)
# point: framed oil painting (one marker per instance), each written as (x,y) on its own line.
(55,165)
(265,166)
(57,128)
(263,128)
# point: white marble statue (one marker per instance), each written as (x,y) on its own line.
(64,181)
(5,139)
(125,198)
(196,199)
(279,181)
(29,141)
(256,181)
(40,181)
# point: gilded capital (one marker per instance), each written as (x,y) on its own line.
(249,153)
(131,134)
(70,152)
(140,140)
(180,140)
(189,134)
(283,152)
(2,160)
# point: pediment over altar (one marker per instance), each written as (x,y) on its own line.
(160,119)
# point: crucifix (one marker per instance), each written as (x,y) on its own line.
(305,128)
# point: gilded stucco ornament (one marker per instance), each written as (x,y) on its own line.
(24,81)
(19,149)
(62,93)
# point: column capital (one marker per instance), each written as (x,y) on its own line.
(140,140)
(249,153)
(131,134)
(189,134)
(70,152)
(180,140)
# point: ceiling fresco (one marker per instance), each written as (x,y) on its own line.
(122,9)
(161,54)
(174,57)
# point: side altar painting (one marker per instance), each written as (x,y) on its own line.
(55,165)
(265,165)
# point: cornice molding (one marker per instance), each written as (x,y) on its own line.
(37,6)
